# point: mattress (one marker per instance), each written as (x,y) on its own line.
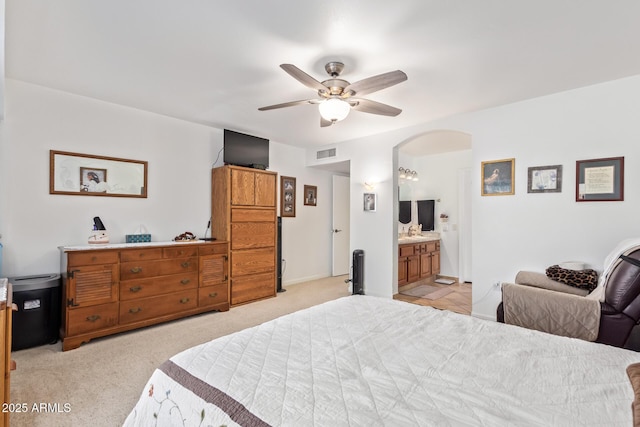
(368,361)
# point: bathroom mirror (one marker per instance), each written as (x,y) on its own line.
(404,211)
(404,204)
(88,175)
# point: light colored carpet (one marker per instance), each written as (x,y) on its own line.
(101,381)
(427,291)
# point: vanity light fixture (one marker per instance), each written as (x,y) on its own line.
(407,174)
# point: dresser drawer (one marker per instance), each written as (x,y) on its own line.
(212,295)
(432,246)
(141,254)
(89,319)
(249,235)
(149,308)
(253,261)
(252,288)
(92,258)
(145,269)
(253,215)
(182,250)
(142,288)
(213,249)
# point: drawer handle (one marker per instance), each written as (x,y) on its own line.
(136,269)
(185,281)
(184,300)
(93,317)
(135,288)
(135,310)
(185,264)
(213,294)
(94,258)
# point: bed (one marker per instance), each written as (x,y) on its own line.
(368,361)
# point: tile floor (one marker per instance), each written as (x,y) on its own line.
(458,301)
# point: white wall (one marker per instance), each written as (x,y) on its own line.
(306,238)
(523,231)
(180,155)
(533,231)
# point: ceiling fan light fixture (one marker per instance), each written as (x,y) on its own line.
(334,109)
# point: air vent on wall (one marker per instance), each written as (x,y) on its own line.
(324,154)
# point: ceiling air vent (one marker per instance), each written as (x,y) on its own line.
(325,154)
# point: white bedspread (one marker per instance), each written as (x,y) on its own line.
(367,361)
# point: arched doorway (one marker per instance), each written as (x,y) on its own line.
(442,161)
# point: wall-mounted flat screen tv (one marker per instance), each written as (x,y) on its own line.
(245,150)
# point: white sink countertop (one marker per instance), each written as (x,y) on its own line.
(427,236)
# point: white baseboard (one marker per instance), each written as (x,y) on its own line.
(483,316)
(303,279)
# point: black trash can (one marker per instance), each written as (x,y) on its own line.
(37,321)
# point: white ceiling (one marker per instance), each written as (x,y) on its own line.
(215,62)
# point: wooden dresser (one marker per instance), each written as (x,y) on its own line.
(121,287)
(244,213)
(6,308)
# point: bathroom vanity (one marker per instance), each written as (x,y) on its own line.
(418,258)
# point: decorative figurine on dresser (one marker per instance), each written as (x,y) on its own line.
(112,288)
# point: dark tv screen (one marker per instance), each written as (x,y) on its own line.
(245,150)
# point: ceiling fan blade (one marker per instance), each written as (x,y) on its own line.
(289,104)
(375,83)
(324,122)
(373,107)
(303,77)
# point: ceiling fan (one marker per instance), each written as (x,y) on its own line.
(336,97)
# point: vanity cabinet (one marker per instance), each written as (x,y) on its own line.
(417,261)
(128,286)
(244,213)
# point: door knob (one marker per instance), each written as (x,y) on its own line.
(336,230)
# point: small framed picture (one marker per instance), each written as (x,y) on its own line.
(93,180)
(600,180)
(369,200)
(310,195)
(497,177)
(545,179)
(287,196)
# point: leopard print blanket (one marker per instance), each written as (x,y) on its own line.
(583,279)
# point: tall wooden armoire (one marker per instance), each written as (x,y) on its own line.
(244,213)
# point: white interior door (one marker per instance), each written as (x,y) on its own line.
(340,231)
